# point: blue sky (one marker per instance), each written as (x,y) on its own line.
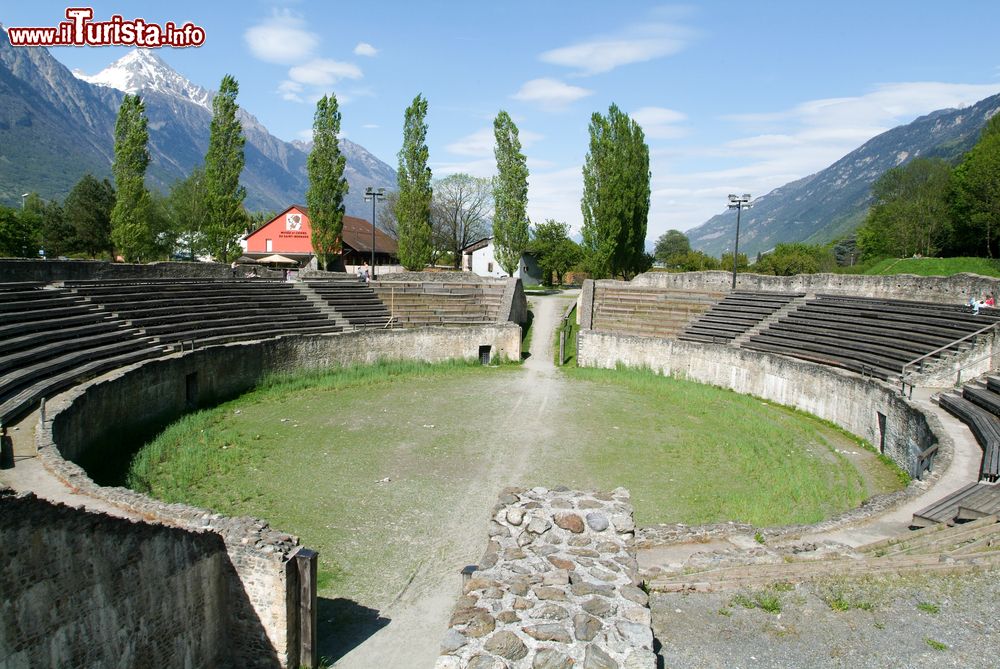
(733,96)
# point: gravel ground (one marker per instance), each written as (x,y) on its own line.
(911,621)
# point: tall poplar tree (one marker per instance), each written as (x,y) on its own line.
(130,229)
(223,164)
(510,195)
(327,185)
(616,194)
(413,206)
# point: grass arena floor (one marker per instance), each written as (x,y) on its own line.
(390,470)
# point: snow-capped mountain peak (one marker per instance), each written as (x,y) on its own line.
(141,70)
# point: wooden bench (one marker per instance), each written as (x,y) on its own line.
(984,426)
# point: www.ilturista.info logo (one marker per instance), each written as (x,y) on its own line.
(80,30)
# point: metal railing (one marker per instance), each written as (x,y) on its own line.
(562,332)
(906,371)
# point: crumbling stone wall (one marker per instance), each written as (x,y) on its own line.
(259,578)
(79,588)
(909,436)
(557,588)
(50,271)
(954,289)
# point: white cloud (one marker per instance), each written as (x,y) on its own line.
(365,49)
(636,44)
(324,72)
(481,142)
(481,167)
(660,122)
(281,39)
(370,126)
(556,194)
(550,94)
(290,90)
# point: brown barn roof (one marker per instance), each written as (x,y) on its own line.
(358,235)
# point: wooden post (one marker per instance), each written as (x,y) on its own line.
(562,345)
(306,562)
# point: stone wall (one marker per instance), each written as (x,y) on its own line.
(846,399)
(261,584)
(50,271)
(951,290)
(556,588)
(514,306)
(87,589)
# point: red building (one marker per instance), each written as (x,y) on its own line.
(289,234)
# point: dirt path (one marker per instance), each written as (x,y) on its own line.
(418,617)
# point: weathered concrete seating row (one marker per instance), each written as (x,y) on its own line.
(876,337)
(978,406)
(648,312)
(52,339)
(734,315)
(211,310)
(354,300)
(415,304)
(969,503)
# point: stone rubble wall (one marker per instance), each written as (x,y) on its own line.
(86,589)
(51,271)
(839,396)
(954,289)
(557,588)
(256,561)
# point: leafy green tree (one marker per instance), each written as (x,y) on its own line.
(18,233)
(797,258)
(510,194)
(671,243)
(413,205)
(223,165)
(87,211)
(460,211)
(695,261)
(58,237)
(976,195)
(615,196)
(557,254)
(910,212)
(187,207)
(130,230)
(726,262)
(327,184)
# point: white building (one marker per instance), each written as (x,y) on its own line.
(478,258)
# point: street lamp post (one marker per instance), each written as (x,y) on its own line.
(739,203)
(23,196)
(374,195)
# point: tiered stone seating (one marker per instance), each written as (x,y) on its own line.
(648,312)
(975,500)
(354,300)
(51,339)
(208,311)
(415,304)
(939,549)
(978,406)
(870,336)
(736,314)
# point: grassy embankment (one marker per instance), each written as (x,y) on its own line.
(935,266)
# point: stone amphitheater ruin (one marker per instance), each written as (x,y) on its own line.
(96,576)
